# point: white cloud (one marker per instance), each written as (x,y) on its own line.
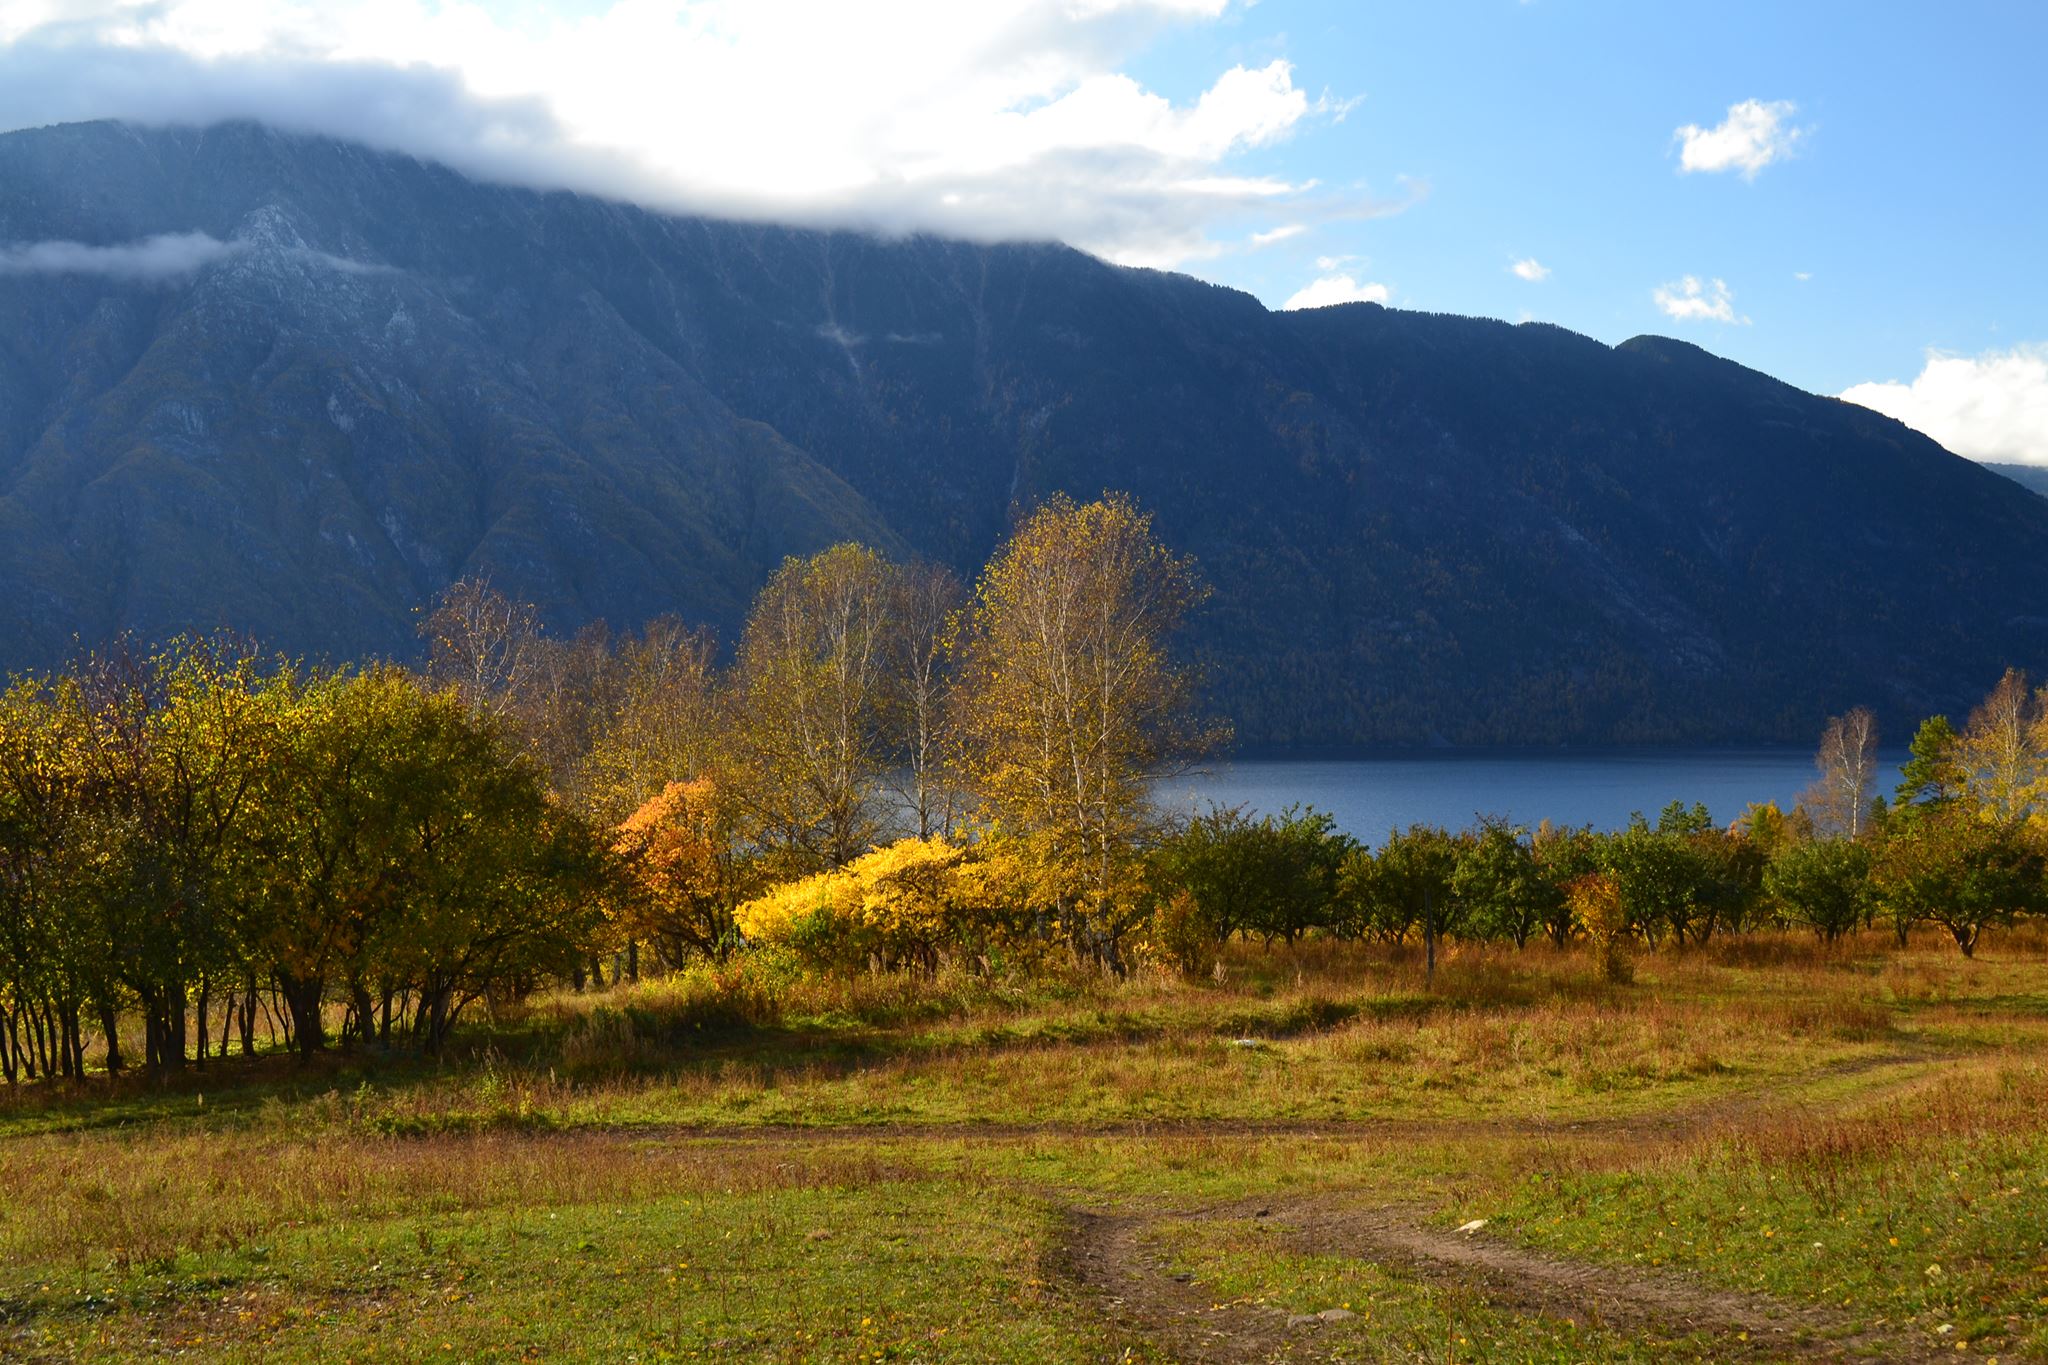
(1331,289)
(153,258)
(1802,275)
(1692,300)
(1003,118)
(1754,134)
(166,256)
(1279,234)
(1530,269)
(1989,407)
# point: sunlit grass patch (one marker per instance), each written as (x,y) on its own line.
(1928,1207)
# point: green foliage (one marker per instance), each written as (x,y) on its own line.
(1273,878)
(1961,870)
(1933,776)
(1824,885)
(1410,886)
(1502,885)
(183,833)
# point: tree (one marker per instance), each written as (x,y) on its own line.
(1563,855)
(656,718)
(1501,885)
(1597,910)
(904,904)
(918,698)
(1933,775)
(1072,702)
(1273,877)
(1839,800)
(1412,878)
(55,957)
(811,688)
(1664,880)
(686,873)
(1961,871)
(2000,754)
(1824,884)
(482,643)
(412,859)
(177,744)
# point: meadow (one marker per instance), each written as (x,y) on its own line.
(1762,1147)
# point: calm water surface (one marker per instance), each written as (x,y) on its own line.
(1368,796)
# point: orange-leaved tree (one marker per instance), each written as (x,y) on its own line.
(686,870)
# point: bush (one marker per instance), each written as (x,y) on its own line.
(1184,935)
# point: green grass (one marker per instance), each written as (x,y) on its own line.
(893,1270)
(636,1175)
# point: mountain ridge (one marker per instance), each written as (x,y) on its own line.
(1421,527)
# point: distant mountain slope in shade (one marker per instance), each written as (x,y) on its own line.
(1420,528)
(2032,476)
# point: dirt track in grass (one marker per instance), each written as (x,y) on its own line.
(1111,1259)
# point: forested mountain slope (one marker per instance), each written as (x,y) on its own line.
(372,375)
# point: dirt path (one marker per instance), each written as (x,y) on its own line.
(1109,1257)
(1615,1297)
(1106,1256)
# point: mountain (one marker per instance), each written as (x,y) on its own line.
(2032,476)
(368,375)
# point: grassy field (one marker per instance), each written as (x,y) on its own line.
(1761,1151)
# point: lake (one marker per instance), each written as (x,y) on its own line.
(1367,796)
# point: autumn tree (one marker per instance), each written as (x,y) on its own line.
(2001,755)
(924,601)
(810,700)
(413,860)
(1073,701)
(481,642)
(55,958)
(177,744)
(1839,799)
(904,904)
(1563,854)
(686,872)
(1598,912)
(658,719)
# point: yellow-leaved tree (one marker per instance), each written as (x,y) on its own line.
(2003,752)
(810,717)
(1072,702)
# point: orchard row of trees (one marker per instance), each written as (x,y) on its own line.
(1962,843)
(221,844)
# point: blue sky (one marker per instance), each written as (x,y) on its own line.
(1861,208)
(1916,198)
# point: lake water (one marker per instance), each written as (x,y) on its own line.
(1367,796)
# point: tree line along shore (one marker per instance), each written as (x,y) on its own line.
(895,772)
